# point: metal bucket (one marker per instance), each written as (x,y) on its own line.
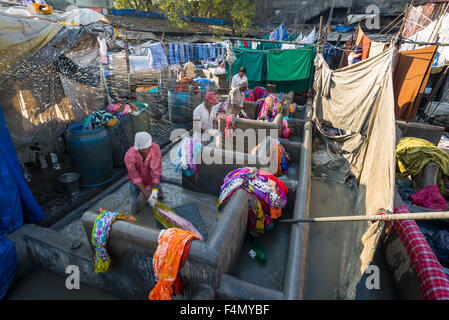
(70,182)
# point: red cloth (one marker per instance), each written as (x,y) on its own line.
(429,197)
(149,171)
(432,279)
(279,183)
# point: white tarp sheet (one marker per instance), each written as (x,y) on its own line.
(359,99)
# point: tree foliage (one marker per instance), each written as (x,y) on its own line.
(240,13)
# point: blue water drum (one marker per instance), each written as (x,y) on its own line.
(90,153)
(179,108)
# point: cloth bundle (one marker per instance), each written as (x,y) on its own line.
(97,119)
(249,95)
(267,195)
(100,234)
(260,93)
(414,153)
(272,105)
(171,253)
(187,152)
(119,110)
(286,128)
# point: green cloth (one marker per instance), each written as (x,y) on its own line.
(290,65)
(414,153)
(295,76)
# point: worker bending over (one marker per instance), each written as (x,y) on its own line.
(234,103)
(144,164)
(203,116)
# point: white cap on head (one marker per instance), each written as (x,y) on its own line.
(242,84)
(142,140)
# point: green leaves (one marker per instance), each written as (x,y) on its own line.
(239,13)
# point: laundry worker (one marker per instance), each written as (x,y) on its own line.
(234,102)
(144,164)
(355,56)
(189,70)
(204,115)
(239,77)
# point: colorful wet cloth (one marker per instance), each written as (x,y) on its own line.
(414,153)
(286,128)
(97,119)
(432,279)
(187,152)
(249,95)
(267,195)
(260,93)
(429,197)
(169,219)
(272,105)
(118,109)
(171,253)
(100,234)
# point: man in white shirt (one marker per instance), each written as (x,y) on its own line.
(234,103)
(239,77)
(203,116)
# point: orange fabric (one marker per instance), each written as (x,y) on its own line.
(366,46)
(275,213)
(171,252)
(410,79)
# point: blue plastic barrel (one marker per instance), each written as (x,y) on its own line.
(179,108)
(90,153)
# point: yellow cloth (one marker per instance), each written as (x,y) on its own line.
(414,153)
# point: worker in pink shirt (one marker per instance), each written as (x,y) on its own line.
(144,164)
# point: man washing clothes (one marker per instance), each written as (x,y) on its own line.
(239,77)
(204,115)
(234,103)
(144,164)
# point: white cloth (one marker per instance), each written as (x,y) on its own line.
(310,39)
(204,120)
(142,140)
(236,80)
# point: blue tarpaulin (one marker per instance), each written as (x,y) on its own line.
(341,28)
(17,205)
(151,14)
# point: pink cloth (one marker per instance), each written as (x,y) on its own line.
(432,279)
(429,197)
(148,171)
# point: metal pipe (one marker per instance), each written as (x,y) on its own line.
(295,271)
(434,215)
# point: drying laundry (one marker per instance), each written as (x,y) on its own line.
(100,234)
(171,253)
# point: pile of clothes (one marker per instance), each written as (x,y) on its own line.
(269,108)
(108,117)
(147,89)
(184,85)
(256,94)
(267,195)
(187,152)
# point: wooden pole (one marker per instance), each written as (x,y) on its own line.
(320,39)
(434,215)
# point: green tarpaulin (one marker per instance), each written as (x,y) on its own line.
(290,65)
(290,70)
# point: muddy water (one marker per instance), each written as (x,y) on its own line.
(325,245)
(41,284)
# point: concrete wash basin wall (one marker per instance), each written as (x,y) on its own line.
(133,246)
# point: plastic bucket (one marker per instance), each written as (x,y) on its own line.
(70,183)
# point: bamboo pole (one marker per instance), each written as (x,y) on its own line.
(434,215)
